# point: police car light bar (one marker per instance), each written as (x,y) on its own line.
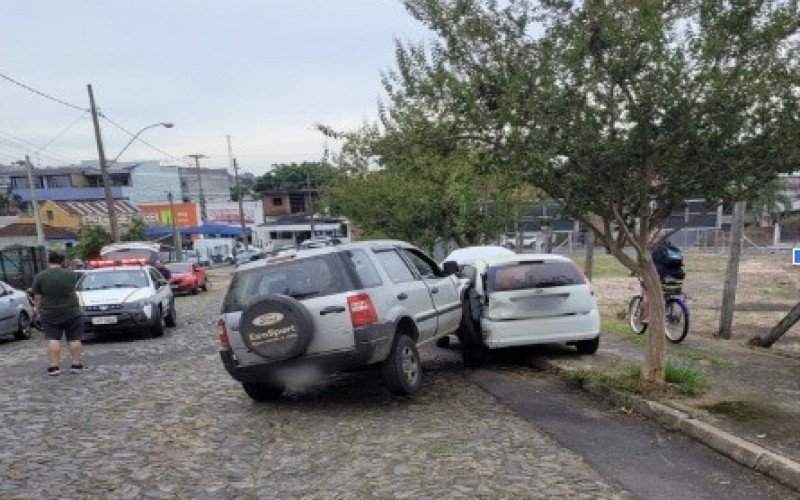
(113,263)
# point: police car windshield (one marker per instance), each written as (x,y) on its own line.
(103,280)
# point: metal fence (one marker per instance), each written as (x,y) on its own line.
(18,266)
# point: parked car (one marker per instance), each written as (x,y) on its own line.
(510,241)
(187,277)
(249,255)
(197,257)
(16,312)
(335,308)
(520,300)
(124,299)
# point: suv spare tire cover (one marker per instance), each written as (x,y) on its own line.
(276,327)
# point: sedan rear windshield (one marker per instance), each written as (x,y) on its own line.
(303,278)
(533,274)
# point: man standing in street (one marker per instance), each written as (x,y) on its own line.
(56,304)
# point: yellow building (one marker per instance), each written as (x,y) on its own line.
(76,214)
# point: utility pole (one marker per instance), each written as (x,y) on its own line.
(35,203)
(112,210)
(202,196)
(241,203)
(235,167)
(309,207)
(176,236)
(589,265)
(732,272)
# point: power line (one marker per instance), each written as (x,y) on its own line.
(21,145)
(41,94)
(155,148)
(29,147)
(54,139)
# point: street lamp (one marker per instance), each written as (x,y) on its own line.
(136,136)
(112,211)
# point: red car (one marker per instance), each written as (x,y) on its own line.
(187,277)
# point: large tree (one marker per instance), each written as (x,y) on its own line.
(622,109)
(408,181)
(294,176)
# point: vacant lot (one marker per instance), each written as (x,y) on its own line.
(768,287)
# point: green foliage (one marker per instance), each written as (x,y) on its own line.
(294,176)
(687,380)
(618,107)
(136,231)
(771,199)
(684,380)
(92,239)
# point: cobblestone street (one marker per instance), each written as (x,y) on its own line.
(161,418)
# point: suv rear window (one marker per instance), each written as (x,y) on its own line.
(301,278)
(533,274)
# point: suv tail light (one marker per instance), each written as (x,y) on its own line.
(222,330)
(362,311)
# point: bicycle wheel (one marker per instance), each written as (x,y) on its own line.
(636,315)
(676,317)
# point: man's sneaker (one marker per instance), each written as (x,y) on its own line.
(77,368)
(53,371)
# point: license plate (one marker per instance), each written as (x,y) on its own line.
(104,320)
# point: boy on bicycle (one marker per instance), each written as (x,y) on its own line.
(668,260)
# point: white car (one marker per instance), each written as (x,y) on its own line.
(521,300)
(126,299)
(16,312)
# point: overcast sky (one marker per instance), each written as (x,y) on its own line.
(263,71)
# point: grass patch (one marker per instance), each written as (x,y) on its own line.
(624,329)
(687,380)
(699,356)
(680,379)
(738,410)
(606,266)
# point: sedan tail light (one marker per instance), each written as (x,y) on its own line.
(362,311)
(222,330)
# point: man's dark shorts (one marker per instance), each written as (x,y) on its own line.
(72,330)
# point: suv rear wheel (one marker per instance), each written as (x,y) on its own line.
(402,370)
(263,392)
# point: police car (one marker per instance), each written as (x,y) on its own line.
(127,296)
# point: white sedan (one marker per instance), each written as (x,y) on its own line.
(519,300)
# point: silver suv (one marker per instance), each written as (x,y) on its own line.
(331,309)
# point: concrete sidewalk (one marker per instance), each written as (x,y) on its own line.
(753,394)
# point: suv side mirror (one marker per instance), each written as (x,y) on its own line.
(450,268)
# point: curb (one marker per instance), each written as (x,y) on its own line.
(753,456)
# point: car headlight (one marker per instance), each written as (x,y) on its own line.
(142,305)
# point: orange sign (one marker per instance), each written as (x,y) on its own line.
(161,215)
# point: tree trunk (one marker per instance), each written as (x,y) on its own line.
(547,234)
(589,266)
(732,272)
(778,330)
(655,345)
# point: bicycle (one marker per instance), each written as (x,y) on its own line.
(676,312)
